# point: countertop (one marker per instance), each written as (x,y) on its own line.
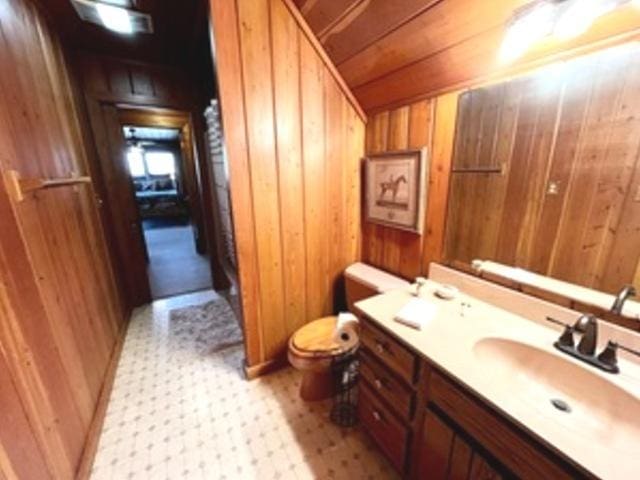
(448,342)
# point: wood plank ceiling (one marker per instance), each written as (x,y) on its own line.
(393,52)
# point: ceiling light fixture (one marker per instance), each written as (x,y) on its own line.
(526,28)
(114,15)
(579,15)
(115,18)
(565,19)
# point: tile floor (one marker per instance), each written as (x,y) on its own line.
(175,413)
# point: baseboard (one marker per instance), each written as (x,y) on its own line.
(93,436)
(264,368)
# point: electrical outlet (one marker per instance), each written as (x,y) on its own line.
(553,188)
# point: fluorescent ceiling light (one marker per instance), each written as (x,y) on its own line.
(527,29)
(115,18)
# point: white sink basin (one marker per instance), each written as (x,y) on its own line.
(596,409)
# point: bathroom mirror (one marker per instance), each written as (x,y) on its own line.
(546,176)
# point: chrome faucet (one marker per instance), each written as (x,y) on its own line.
(624,294)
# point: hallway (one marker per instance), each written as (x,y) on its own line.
(174,265)
(177,412)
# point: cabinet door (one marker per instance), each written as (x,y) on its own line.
(443,454)
(434,449)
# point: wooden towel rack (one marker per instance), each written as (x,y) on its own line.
(19,187)
(479,169)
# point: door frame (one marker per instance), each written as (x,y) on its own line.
(116,198)
(179,120)
(116,194)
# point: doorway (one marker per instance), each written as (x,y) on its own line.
(157,173)
(153,201)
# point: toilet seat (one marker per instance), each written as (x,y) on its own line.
(315,339)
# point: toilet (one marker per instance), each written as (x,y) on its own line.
(312,348)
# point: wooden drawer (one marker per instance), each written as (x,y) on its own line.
(387,385)
(387,431)
(390,351)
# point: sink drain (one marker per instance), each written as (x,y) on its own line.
(561,405)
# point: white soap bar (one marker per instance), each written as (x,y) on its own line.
(446,292)
(416,313)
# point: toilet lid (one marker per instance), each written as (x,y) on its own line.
(316,338)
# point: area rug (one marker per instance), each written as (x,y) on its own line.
(207,328)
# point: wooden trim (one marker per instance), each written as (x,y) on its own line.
(317,46)
(328,29)
(95,429)
(514,71)
(225,27)
(254,371)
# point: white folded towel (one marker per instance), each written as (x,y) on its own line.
(416,313)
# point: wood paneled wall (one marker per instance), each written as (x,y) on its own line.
(567,203)
(109,83)
(294,138)
(59,307)
(427,123)
(126,81)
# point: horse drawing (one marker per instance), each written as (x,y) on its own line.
(392,185)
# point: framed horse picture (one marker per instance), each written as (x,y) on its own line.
(395,185)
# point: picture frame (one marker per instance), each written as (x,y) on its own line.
(396,189)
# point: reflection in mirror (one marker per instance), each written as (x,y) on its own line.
(619,304)
(546,175)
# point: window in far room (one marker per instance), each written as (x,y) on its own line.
(135,159)
(160,163)
(154,163)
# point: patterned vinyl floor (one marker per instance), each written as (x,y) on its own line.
(176,412)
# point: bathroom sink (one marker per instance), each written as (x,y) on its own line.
(563,391)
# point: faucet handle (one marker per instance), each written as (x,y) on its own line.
(609,356)
(566,339)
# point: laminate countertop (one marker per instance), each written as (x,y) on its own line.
(471,340)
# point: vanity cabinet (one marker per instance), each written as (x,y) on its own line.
(443,453)
(431,427)
(389,393)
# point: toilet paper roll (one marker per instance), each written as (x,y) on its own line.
(347,331)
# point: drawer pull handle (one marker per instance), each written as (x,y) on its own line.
(380,347)
(378,383)
(376,415)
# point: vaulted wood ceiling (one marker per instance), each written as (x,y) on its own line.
(390,52)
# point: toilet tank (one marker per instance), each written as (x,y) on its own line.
(363,281)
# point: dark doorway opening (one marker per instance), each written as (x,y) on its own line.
(159,177)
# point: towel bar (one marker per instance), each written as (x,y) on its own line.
(18,187)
